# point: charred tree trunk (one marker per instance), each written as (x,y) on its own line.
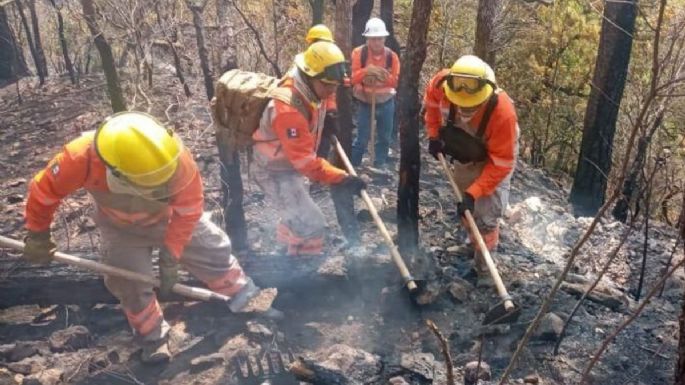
(360,15)
(36,38)
(680,366)
(344,202)
(113,86)
(485,30)
(611,67)
(29,41)
(196,10)
(232,200)
(387,12)
(409,106)
(317,11)
(12,63)
(63,43)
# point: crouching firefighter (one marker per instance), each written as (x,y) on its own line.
(471,120)
(286,143)
(149,194)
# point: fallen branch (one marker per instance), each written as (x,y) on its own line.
(445,351)
(306,370)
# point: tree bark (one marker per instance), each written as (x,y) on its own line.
(63,43)
(485,30)
(317,11)
(29,40)
(680,366)
(116,96)
(387,12)
(12,63)
(37,39)
(343,201)
(201,47)
(360,15)
(611,67)
(232,200)
(409,106)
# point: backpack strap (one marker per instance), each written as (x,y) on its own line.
(292,98)
(492,103)
(388,58)
(365,56)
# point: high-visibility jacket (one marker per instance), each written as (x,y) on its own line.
(286,140)
(331,102)
(385,91)
(78,165)
(501,133)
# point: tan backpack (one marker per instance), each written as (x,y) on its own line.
(240,98)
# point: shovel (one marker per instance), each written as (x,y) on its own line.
(506,311)
(394,252)
(184,290)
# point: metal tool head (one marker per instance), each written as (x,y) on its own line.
(251,370)
(501,315)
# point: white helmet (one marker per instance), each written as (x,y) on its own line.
(375,27)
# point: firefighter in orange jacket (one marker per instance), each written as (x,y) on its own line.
(148,192)
(472,120)
(286,143)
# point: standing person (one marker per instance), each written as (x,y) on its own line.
(286,143)
(149,194)
(472,120)
(375,71)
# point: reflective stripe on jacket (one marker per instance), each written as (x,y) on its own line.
(500,137)
(79,166)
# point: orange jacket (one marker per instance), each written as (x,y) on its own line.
(384,91)
(78,166)
(285,140)
(501,134)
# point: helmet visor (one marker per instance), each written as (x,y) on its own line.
(335,74)
(467,83)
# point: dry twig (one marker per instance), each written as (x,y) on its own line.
(445,351)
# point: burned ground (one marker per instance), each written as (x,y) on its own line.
(356,319)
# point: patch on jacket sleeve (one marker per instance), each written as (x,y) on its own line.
(54,169)
(292,133)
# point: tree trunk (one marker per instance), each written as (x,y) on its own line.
(387,12)
(611,67)
(680,366)
(12,63)
(63,43)
(488,11)
(116,96)
(409,106)
(317,11)
(201,48)
(29,40)
(360,15)
(344,202)
(37,39)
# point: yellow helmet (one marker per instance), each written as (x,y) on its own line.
(323,60)
(138,147)
(470,82)
(318,32)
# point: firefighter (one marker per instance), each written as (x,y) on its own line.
(473,121)
(375,72)
(149,194)
(285,149)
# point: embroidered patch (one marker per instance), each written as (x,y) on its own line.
(292,133)
(54,169)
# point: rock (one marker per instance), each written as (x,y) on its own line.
(550,328)
(70,339)
(334,266)
(47,377)
(354,363)
(202,363)
(258,329)
(531,379)
(20,350)
(453,249)
(8,378)
(27,366)
(419,363)
(429,294)
(460,290)
(534,204)
(399,380)
(471,377)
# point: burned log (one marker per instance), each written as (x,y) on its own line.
(309,371)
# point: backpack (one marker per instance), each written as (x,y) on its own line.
(240,98)
(365,57)
(461,145)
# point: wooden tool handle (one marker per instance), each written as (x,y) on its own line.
(501,289)
(188,291)
(394,252)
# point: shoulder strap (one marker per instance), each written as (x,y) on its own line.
(492,103)
(388,58)
(287,95)
(365,55)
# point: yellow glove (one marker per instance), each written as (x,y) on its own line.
(39,248)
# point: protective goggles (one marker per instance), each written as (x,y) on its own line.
(470,84)
(337,73)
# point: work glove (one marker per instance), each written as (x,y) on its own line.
(467,203)
(39,248)
(353,184)
(168,272)
(435,147)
